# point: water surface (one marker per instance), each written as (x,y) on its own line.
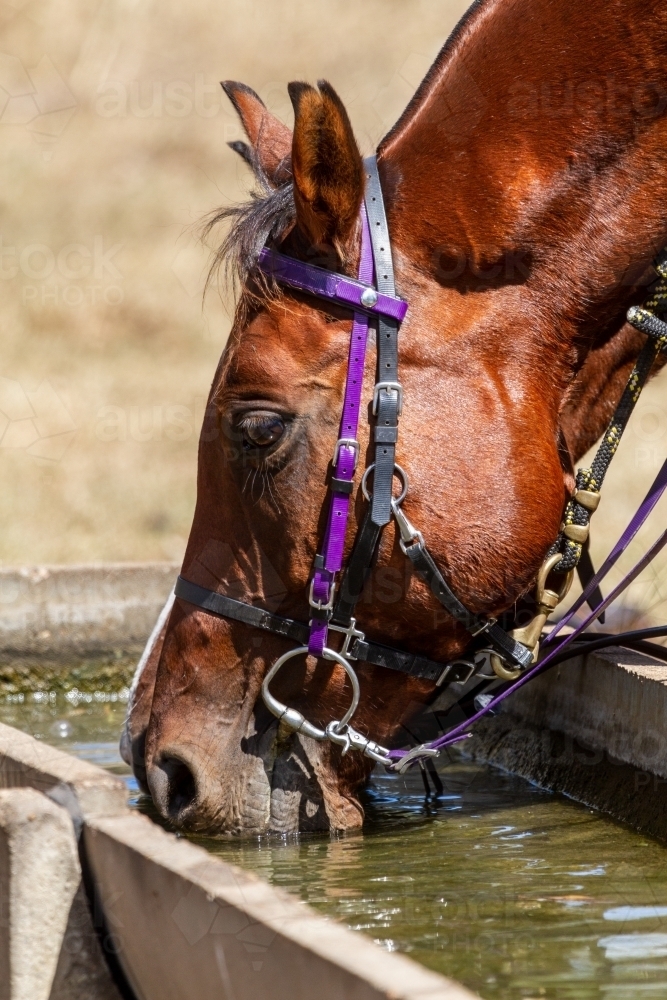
(513,891)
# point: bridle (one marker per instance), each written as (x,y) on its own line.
(512,656)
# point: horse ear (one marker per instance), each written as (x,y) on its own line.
(270,139)
(327,167)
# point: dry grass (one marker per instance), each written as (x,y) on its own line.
(115,138)
(119,139)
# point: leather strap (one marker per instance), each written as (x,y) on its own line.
(358,568)
(508,647)
(586,572)
(386,400)
(366,652)
(239,611)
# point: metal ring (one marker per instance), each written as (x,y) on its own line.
(502,670)
(295,720)
(398,471)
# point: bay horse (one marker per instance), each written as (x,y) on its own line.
(526,195)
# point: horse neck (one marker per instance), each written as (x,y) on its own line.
(540,131)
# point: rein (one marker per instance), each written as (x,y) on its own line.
(511,655)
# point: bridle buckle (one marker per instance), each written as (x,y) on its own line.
(318,604)
(470,668)
(346,443)
(351,633)
(388,387)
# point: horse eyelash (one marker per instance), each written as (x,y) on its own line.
(250,420)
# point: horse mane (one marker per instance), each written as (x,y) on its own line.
(459,35)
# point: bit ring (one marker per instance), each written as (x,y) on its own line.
(289,716)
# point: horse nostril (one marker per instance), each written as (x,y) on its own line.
(182,785)
(172,785)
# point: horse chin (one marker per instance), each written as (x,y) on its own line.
(306,791)
(267,784)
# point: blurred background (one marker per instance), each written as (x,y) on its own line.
(113,131)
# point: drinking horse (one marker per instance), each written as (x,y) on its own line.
(522,196)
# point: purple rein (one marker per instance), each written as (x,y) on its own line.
(366,301)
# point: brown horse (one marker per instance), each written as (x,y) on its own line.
(526,192)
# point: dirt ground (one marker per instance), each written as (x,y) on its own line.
(113,130)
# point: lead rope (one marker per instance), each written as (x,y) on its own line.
(564,555)
(576,519)
(566,551)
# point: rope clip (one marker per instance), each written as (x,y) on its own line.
(547,601)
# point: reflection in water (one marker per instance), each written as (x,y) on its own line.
(630,947)
(509,889)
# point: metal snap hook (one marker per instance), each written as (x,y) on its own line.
(398,471)
(546,601)
(348,738)
(289,716)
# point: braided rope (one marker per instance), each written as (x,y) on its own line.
(644,319)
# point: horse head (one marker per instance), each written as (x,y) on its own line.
(525,195)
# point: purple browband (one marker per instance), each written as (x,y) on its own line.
(327,285)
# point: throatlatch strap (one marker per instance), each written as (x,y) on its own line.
(386,401)
(508,647)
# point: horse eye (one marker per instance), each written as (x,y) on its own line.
(261,430)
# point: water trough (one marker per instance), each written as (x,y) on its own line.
(172,921)
(152,913)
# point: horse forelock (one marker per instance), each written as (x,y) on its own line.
(265,217)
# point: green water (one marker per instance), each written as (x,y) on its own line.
(515,892)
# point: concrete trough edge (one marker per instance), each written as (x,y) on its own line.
(59,612)
(81,788)
(594,729)
(188,924)
(209,908)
